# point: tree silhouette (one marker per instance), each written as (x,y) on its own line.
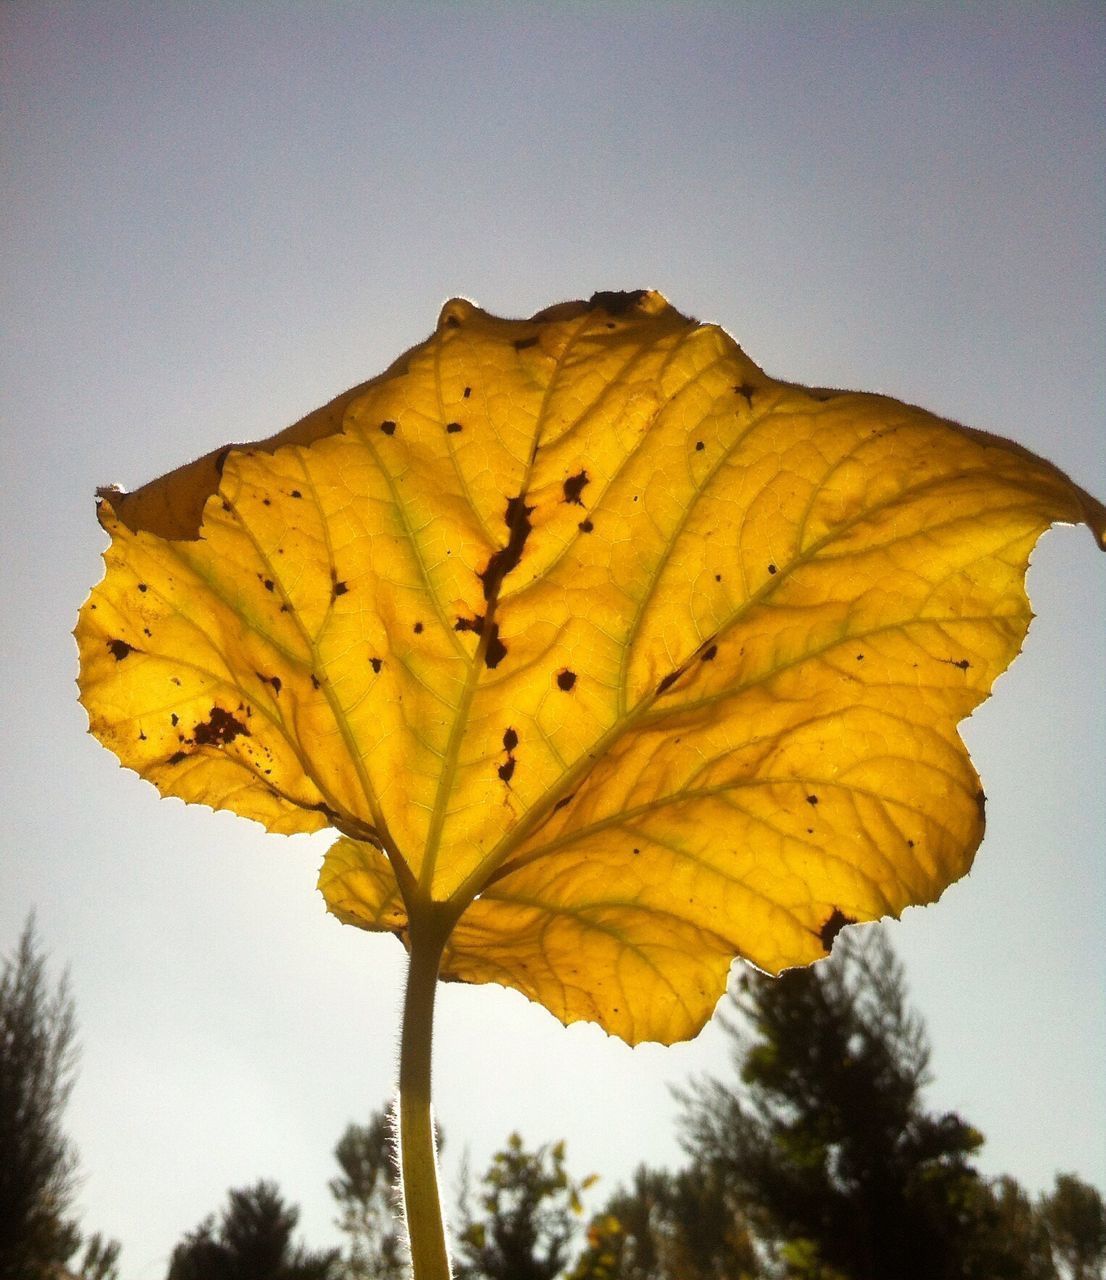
(367,1197)
(1075,1219)
(667,1225)
(826,1143)
(527,1216)
(253,1242)
(38,1164)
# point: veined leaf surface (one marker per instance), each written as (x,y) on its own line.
(638,658)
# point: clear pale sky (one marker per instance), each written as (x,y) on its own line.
(218,216)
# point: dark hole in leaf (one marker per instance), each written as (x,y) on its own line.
(120,649)
(566,679)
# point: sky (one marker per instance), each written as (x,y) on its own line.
(217,216)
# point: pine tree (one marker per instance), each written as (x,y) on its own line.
(253,1242)
(38,1165)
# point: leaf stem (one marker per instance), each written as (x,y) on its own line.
(418,1158)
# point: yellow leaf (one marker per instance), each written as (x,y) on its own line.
(586,632)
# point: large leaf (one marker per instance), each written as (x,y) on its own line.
(583,625)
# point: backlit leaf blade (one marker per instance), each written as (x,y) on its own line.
(640,658)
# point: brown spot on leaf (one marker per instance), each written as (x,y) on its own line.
(452,428)
(338,588)
(470,624)
(315,681)
(219,730)
(275,681)
(708,653)
(745,389)
(566,679)
(418,628)
(668,681)
(565,800)
(833,926)
(174,719)
(388,427)
(616,302)
(506,770)
(495,650)
(177,757)
(772,569)
(574,486)
(812,800)
(376,664)
(699,446)
(120,649)
(510,740)
(585,526)
(467,392)
(517,519)
(295,494)
(143,587)
(520,344)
